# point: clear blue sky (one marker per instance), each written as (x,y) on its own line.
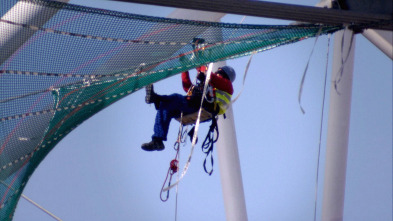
(99,172)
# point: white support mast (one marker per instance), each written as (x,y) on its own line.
(382,39)
(229,163)
(338,127)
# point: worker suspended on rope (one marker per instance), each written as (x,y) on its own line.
(171,106)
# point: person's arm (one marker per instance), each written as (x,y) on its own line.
(186,81)
(221,83)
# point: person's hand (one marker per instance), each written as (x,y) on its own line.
(201,69)
(201,76)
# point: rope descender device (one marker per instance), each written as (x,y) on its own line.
(173,168)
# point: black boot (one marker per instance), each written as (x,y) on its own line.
(152,97)
(150,94)
(155,144)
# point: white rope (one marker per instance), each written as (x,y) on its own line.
(340,72)
(194,138)
(244,76)
(246,70)
(320,131)
(177,189)
(34,203)
(41,208)
(178,158)
(305,71)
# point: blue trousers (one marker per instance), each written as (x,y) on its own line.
(170,107)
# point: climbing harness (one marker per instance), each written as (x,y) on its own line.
(194,95)
(192,118)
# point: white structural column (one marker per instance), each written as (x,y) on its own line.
(382,39)
(229,164)
(12,37)
(231,176)
(338,127)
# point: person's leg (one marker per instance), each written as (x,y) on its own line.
(170,106)
(152,97)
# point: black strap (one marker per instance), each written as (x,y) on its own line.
(191,134)
(208,144)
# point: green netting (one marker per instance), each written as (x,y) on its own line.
(68,62)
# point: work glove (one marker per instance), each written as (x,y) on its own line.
(201,76)
(202,69)
(201,73)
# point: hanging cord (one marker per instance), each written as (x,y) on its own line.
(320,130)
(343,61)
(247,66)
(305,71)
(34,203)
(177,187)
(194,138)
(182,138)
(244,76)
(41,208)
